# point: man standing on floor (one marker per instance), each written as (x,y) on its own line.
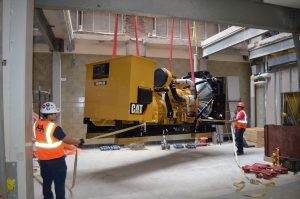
(240,127)
(50,140)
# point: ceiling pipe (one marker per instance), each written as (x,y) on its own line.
(260,82)
(263,75)
(80,20)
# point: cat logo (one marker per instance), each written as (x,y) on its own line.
(137,109)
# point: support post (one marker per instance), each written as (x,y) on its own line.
(2,146)
(17,95)
(56,81)
(297,50)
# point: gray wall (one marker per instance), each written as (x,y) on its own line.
(283,79)
(42,75)
(240,69)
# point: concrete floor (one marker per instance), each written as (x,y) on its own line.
(205,172)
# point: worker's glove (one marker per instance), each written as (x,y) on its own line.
(80,145)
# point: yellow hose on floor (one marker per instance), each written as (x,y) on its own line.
(241,185)
(37,178)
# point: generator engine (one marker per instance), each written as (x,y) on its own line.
(126,91)
(178,101)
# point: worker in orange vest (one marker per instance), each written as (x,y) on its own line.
(49,143)
(240,120)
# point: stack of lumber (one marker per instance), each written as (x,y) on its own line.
(255,136)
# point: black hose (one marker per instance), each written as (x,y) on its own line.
(175,94)
(169,106)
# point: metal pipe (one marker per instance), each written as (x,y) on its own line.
(80,20)
(263,75)
(252,102)
(260,82)
(175,94)
(275,96)
(186,81)
(265,100)
(195,61)
(279,98)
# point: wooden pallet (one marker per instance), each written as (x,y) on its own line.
(255,136)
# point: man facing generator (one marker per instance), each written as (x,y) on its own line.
(240,127)
(50,140)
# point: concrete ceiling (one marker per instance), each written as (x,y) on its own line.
(286,3)
(217,11)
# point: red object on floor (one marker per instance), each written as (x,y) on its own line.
(280,169)
(203,141)
(265,171)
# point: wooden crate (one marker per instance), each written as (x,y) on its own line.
(255,136)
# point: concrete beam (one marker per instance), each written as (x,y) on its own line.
(47,33)
(246,13)
(100,37)
(166,42)
(228,38)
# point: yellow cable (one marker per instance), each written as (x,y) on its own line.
(241,185)
(117,132)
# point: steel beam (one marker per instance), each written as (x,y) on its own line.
(272,48)
(246,13)
(69,27)
(47,33)
(284,59)
(231,38)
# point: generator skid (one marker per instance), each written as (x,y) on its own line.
(127,91)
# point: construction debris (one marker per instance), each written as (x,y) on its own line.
(137,146)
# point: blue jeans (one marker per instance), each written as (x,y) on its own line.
(54,170)
(239,133)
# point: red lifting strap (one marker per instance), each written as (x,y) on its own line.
(190,50)
(136,36)
(114,54)
(171,46)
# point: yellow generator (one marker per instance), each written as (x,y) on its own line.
(127,91)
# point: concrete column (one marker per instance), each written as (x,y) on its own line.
(17,92)
(2,146)
(297,50)
(56,82)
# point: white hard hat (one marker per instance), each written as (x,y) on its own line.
(49,108)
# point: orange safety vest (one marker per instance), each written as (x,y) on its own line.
(47,146)
(241,124)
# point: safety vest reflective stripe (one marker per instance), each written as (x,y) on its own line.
(33,128)
(245,118)
(50,144)
(241,123)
